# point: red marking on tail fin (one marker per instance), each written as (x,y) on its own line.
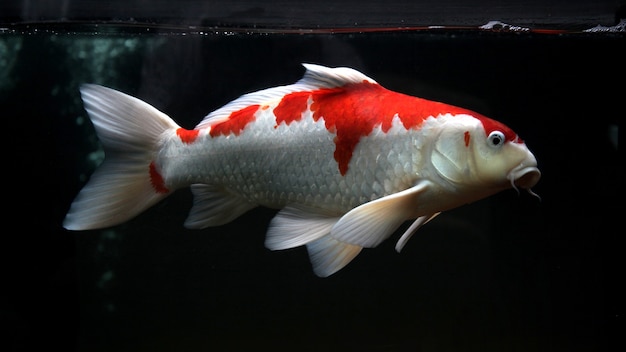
(157,180)
(187,136)
(236,122)
(467,138)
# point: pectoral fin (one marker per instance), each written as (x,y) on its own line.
(373,222)
(333,240)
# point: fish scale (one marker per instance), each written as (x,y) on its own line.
(300,173)
(345,161)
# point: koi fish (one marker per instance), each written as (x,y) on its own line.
(345,161)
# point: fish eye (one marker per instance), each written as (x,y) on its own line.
(495,139)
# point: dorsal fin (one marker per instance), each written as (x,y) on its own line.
(325,77)
(315,77)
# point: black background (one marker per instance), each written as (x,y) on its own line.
(508,273)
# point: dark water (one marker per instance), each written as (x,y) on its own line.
(508,273)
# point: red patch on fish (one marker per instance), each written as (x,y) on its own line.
(236,122)
(291,107)
(490,125)
(467,138)
(157,180)
(352,111)
(187,136)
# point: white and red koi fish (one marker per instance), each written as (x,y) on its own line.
(345,160)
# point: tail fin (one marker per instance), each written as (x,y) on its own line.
(130,131)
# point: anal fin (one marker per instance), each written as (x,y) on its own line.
(213,206)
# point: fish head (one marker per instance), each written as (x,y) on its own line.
(483,156)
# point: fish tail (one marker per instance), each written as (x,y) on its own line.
(125,184)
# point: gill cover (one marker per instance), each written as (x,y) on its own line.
(451,157)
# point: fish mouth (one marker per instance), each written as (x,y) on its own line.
(524,176)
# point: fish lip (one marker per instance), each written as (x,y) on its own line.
(524,176)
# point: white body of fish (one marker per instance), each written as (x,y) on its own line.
(345,160)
